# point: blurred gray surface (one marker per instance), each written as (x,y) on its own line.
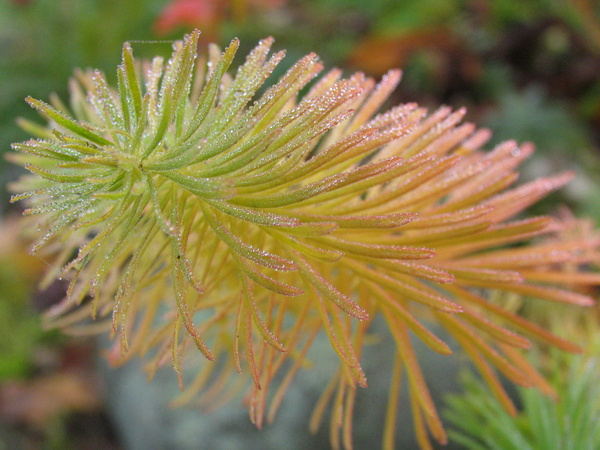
(144,420)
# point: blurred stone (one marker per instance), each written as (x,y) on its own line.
(144,420)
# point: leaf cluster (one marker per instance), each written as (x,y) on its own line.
(207,215)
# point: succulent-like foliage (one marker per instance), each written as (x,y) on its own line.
(191,210)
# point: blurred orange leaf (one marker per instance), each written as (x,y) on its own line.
(375,54)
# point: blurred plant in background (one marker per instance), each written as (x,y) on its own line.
(567,421)
(19,274)
(209,15)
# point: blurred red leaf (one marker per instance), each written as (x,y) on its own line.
(201,14)
(207,15)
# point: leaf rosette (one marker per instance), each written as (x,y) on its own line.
(190,208)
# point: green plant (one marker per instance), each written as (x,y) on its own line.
(18,274)
(566,420)
(207,216)
(21,326)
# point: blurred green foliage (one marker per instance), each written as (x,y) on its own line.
(20,326)
(571,422)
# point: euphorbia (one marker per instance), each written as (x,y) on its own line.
(195,214)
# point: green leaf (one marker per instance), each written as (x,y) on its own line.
(68,123)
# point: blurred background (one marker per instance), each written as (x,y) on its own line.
(530,71)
